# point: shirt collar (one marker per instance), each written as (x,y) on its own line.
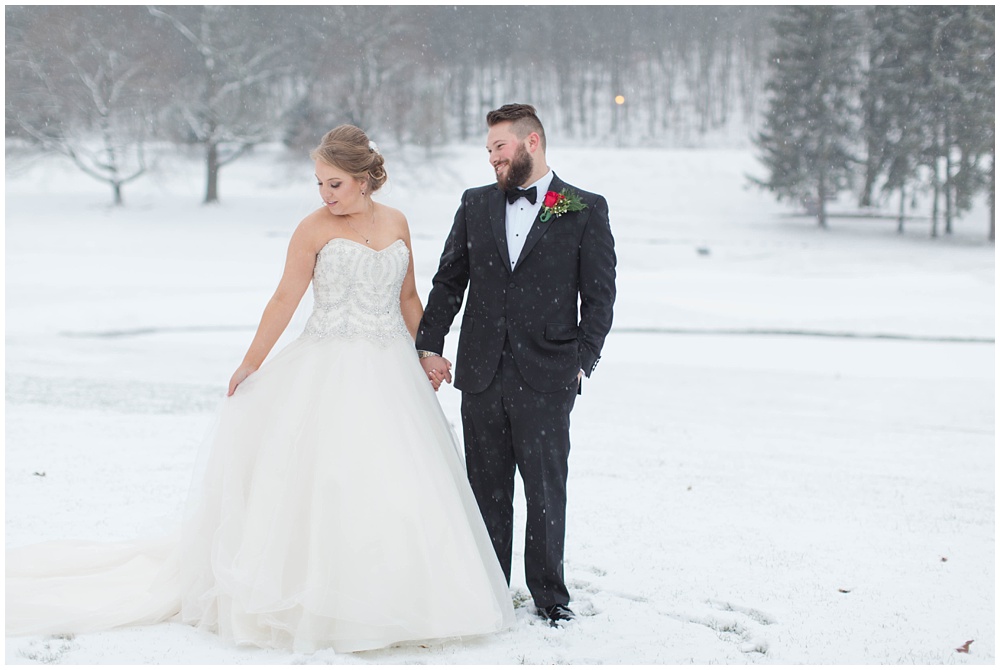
(542,185)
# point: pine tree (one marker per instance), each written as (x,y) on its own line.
(929,105)
(810,129)
(895,128)
(974,115)
(875,118)
(929,70)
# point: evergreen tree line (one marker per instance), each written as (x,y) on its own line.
(896,101)
(100,84)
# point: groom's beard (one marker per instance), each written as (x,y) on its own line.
(518,170)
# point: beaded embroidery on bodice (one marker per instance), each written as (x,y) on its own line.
(356,291)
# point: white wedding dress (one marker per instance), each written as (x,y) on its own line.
(330,511)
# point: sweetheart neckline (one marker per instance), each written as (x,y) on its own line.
(358,244)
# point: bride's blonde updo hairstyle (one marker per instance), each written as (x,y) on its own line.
(347,148)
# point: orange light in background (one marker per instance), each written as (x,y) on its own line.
(619,99)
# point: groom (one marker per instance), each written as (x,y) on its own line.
(540,271)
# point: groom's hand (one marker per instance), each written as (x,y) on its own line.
(438,370)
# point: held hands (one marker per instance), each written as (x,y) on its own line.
(438,370)
(239,376)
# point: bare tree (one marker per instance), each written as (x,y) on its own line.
(228,102)
(358,65)
(82,88)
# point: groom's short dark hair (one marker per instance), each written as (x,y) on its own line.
(524,119)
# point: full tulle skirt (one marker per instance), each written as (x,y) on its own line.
(330,510)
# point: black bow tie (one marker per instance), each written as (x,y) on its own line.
(529,194)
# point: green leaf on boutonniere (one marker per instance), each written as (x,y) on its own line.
(557,204)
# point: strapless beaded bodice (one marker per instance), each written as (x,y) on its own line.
(356,291)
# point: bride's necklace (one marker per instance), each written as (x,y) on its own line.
(366,238)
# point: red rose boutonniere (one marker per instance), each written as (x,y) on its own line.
(557,204)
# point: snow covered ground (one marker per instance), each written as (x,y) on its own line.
(785,456)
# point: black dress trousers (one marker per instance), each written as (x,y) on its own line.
(508,427)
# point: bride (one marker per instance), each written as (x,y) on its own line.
(332,508)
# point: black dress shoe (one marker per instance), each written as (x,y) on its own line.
(556,614)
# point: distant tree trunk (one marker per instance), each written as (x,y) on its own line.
(949,186)
(577,95)
(902,209)
(871,173)
(727,67)
(464,81)
(993,194)
(117,187)
(821,193)
(937,193)
(874,134)
(212,181)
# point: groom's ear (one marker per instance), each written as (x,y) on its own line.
(534,142)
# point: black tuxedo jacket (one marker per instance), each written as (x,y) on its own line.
(555,306)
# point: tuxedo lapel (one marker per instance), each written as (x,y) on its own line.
(498,221)
(538,228)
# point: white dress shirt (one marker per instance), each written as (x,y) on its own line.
(521,215)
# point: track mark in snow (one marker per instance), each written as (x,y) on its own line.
(756,615)
(787,332)
(152,330)
(626,596)
(740,628)
(584,591)
(115,395)
(784,332)
(48,650)
(520,598)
